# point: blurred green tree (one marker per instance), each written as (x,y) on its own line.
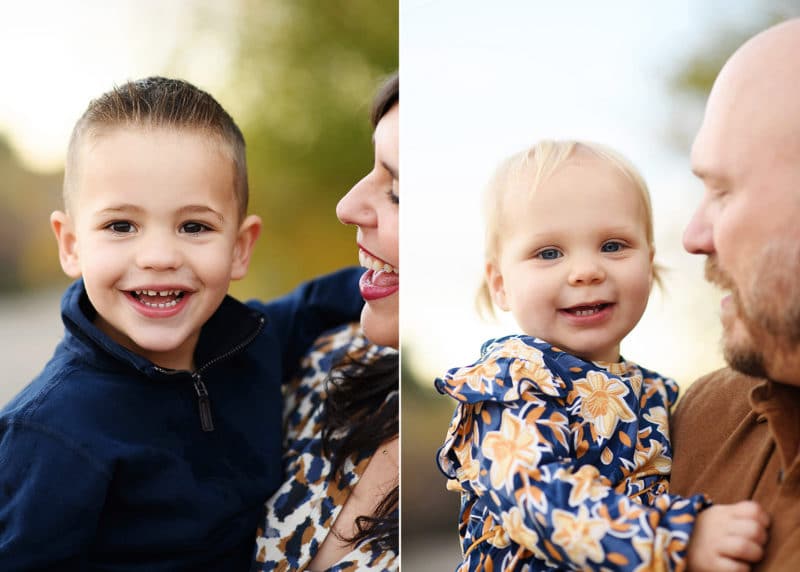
(305,75)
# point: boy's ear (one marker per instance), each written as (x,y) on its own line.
(494,280)
(64,229)
(243,248)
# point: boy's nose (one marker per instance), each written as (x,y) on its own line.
(158,252)
(586,270)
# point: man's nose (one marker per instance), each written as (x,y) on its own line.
(698,236)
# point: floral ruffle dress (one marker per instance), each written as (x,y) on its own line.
(563,463)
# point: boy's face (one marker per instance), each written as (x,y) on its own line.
(154,231)
(575,266)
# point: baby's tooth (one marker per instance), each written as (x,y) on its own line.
(377,265)
(164,293)
(387,268)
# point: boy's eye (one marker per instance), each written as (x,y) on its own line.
(121,227)
(394,197)
(612,246)
(193,227)
(549,254)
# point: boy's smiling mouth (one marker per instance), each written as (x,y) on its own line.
(157,298)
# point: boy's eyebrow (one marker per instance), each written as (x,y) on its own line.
(201,209)
(183,211)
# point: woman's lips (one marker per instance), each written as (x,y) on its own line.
(376,284)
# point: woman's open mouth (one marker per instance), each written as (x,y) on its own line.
(381,278)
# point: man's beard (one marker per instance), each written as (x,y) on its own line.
(771,314)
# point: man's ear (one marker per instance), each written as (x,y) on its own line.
(494,280)
(64,229)
(243,248)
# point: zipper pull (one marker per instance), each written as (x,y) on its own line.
(203,402)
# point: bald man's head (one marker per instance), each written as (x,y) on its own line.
(747,153)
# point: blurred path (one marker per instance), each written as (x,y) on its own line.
(30,328)
(437,553)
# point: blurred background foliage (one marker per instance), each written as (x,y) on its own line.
(301,78)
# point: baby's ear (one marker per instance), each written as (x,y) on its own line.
(494,280)
(243,248)
(64,229)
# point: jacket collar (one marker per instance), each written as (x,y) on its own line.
(229,330)
(780,404)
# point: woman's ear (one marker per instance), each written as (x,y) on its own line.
(494,280)
(64,229)
(246,238)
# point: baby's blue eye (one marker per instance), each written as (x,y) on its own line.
(549,254)
(611,247)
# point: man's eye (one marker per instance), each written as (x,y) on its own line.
(548,254)
(193,227)
(612,246)
(121,227)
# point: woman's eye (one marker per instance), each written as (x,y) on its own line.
(193,227)
(121,227)
(612,246)
(548,254)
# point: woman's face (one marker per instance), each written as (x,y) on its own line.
(372,205)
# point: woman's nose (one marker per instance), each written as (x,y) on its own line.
(355,207)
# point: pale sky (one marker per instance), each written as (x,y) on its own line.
(58,55)
(482,80)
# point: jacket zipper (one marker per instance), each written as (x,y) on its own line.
(203,399)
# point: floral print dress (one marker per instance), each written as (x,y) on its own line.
(301,513)
(563,463)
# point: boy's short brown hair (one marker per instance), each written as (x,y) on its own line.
(159,102)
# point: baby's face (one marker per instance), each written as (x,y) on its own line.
(155,233)
(575,266)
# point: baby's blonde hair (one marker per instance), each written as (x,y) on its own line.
(529,169)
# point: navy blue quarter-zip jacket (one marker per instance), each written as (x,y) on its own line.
(109,462)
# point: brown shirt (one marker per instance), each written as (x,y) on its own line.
(735,438)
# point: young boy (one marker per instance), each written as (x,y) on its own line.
(152,438)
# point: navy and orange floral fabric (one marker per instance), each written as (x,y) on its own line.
(563,463)
(300,515)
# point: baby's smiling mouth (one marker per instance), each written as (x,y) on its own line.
(157,298)
(586,309)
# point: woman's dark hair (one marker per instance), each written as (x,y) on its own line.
(362,401)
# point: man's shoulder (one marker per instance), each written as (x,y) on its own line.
(725,383)
(721,395)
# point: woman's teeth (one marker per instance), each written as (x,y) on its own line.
(375,264)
